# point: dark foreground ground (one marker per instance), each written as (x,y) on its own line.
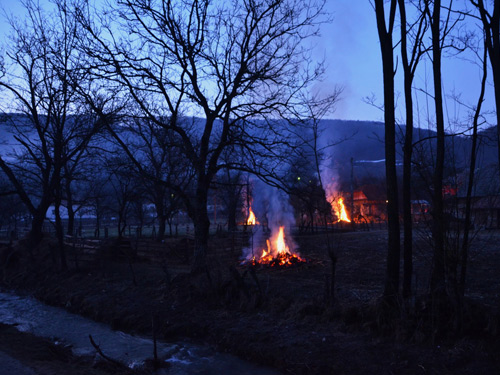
(275,317)
(25,354)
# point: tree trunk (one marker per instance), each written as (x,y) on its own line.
(71,219)
(161,227)
(60,230)
(493,45)
(407,157)
(121,225)
(140,213)
(496,83)
(201,231)
(438,284)
(391,289)
(160,213)
(36,232)
(472,168)
(97,230)
(69,207)
(407,218)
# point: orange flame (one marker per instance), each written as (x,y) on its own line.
(340,211)
(278,253)
(281,246)
(251,218)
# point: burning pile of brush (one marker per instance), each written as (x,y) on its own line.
(278,251)
(277,254)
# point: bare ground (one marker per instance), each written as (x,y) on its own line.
(280,317)
(23,353)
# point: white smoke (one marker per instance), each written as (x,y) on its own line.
(328,170)
(330,180)
(272,210)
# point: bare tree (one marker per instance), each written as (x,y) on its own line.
(391,290)
(444,286)
(416,32)
(54,129)
(239,64)
(95,194)
(441,287)
(123,186)
(472,173)
(229,185)
(12,209)
(317,109)
(438,271)
(162,166)
(491,27)
(306,190)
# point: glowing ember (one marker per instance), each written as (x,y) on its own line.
(340,211)
(251,218)
(278,253)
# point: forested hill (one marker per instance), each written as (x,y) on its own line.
(363,141)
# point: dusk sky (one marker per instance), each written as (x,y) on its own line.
(351,50)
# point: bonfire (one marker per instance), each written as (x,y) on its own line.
(278,253)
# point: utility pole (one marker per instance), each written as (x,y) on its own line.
(248,195)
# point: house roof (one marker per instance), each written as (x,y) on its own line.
(374,192)
(359,195)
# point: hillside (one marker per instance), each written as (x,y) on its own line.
(363,141)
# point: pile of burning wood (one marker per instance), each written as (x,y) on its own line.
(277,253)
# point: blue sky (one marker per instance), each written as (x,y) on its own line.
(350,47)
(352,51)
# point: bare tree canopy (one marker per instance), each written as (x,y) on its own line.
(55,128)
(239,65)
